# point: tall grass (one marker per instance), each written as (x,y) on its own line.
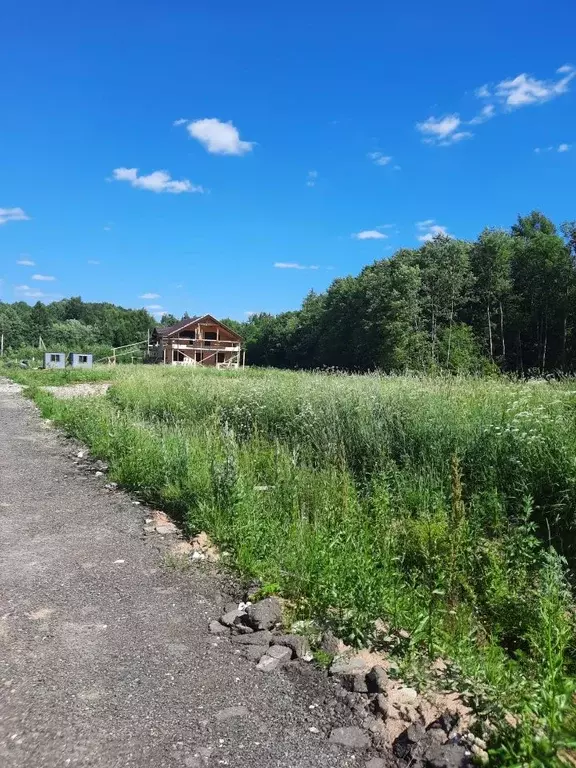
(444,506)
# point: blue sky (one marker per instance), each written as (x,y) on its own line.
(317,136)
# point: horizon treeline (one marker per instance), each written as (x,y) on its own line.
(505,301)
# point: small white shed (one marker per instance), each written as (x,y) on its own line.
(54,360)
(79,360)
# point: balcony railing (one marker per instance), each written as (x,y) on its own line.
(223,346)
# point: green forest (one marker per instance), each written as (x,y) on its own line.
(506,301)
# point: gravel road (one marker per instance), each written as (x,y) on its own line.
(105,656)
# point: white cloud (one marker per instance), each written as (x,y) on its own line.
(486,113)
(428,230)
(311,178)
(219,138)
(483,92)
(153,306)
(524,89)
(442,130)
(150,296)
(249,313)
(369,234)
(180,121)
(293,265)
(379,159)
(551,148)
(22,288)
(26,263)
(44,278)
(157,181)
(12,214)
(92,261)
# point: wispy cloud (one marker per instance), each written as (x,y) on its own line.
(25,262)
(553,148)
(153,306)
(180,121)
(293,265)
(44,278)
(524,89)
(427,230)
(150,296)
(157,181)
(93,261)
(12,214)
(379,159)
(219,138)
(369,234)
(443,131)
(311,178)
(505,96)
(486,113)
(28,293)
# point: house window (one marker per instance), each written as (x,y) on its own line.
(198,357)
(82,358)
(54,358)
(210,335)
(221,357)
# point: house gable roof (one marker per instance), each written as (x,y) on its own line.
(172,329)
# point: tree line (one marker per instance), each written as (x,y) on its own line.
(72,324)
(505,301)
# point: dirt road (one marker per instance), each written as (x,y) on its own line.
(105,655)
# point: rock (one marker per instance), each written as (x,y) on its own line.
(218,629)
(297,643)
(406,745)
(268,663)
(480,753)
(345,666)
(376,762)
(111,486)
(356,683)
(166,528)
(480,742)
(257,638)
(255,652)
(446,756)
(101,466)
(264,614)
(377,680)
(330,643)
(381,704)
(182,549)
(243,629)
(352,737)
(403,634)
(407,696)
(280,652)
(98,473)
(232,617)
(447,722)
(229,607)
(381,627)
(230,712)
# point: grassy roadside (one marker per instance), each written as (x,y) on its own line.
(430,503)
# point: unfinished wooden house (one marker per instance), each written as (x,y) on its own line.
(202,341)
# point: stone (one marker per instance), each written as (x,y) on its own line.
(377,680)
(356,683)
(405,746)
(98,473)
(111,486)
(407,696)
(264,614)
(280,652)
(330,643)
(255,652)
(480,753)
(229,712)
(381,704)
(376,762)
(345,666)
(351,736)
(101,466)
(257,638)
(232,617)
(297,643)
(229,607)
(216,628)
(166,528)
(268,663)
(446,756)
(243,629)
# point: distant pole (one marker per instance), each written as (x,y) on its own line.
(2,345)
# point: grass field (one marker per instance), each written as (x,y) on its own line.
(445,506)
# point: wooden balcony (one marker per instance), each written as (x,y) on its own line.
(203,344)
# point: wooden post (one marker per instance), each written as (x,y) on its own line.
(2,345)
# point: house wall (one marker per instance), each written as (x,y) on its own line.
(49,363)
